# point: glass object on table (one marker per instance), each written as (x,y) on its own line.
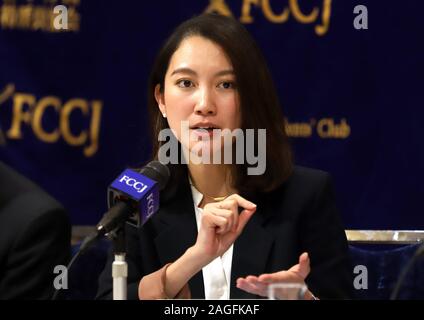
(286,291)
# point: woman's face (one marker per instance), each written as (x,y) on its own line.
(200,89)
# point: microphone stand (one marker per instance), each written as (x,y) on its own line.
(113,226)
(119,266)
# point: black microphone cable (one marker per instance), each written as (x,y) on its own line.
(86,244)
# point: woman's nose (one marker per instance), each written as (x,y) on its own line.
(205,104)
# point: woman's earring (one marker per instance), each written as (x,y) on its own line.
(164,115)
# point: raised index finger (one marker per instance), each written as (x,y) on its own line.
(242,202)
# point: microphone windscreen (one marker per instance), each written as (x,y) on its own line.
(157,172)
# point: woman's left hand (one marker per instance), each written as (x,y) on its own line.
(259,284)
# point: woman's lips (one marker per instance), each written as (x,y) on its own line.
(205,133)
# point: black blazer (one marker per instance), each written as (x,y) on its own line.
(298,216)
(35,235)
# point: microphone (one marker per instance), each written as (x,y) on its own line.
(133,197)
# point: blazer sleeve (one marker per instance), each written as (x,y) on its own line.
(324,238)
(152,286)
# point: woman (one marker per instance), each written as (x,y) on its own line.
(221,232)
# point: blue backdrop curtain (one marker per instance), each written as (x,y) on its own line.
(73,102)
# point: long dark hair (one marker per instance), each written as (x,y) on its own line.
(260,108)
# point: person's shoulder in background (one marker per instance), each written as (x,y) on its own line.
(35,235)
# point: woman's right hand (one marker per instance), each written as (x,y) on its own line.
(221,224)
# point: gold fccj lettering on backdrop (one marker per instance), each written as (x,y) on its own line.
(320,16)
(326,128)
(28,111)
(38,17)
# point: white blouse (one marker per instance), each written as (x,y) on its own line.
(217,274)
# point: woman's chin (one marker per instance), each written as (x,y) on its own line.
(206,153)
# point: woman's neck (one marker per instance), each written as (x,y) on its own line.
(211,180)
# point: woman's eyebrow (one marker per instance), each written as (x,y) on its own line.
(224,72)
(191,71)
(183,70)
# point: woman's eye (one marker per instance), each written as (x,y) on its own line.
(185,83)
(227,85)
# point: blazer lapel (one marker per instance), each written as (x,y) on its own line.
(251,251)
(178,233)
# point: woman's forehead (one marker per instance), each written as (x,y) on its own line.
(197,52)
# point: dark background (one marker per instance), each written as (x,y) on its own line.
(373,79)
